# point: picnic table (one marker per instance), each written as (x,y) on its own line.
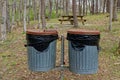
(70,19)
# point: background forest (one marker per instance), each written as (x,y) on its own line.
(22,12)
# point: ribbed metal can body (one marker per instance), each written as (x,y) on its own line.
(42,61)
(84,61)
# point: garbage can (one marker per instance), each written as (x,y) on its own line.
(41,47)
(83,51)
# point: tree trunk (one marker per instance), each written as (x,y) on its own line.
(13,13)
(115,18)
(39,16)
(8,17)
(3,24)
(101,5)
(50,9)
(67,3)
(86,2)
(28,12)
(108,6)
(104,5)
(63,7)
(57,8)
(75,21)
(21,10)
(93,7)
(90,6)
(43,14)
(25,15)
(111,13)
(83,7)
(96,6)
(118,4)
(80,8)
(35,9)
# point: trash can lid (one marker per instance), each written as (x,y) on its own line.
(84,32)
(44,32)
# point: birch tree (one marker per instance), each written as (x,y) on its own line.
(4,18)
(39,16)
(111,13)
(13,13)
(24,16)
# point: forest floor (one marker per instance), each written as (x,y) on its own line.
(13,54)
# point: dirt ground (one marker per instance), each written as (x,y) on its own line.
(13,54)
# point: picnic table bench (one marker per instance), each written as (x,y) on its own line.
(70,19)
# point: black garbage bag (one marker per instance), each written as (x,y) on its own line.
(79,41)
(40,42)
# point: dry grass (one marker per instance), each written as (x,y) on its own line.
(13,54)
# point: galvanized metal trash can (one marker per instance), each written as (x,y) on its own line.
(41,47)
(83,51)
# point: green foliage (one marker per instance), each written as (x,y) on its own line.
(51,26)
(31,14)
(23,32)
(53,15)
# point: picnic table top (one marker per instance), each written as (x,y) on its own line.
(71,16)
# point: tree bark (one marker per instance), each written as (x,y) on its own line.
(39,16)
(67,4)
(43,14)
(115,18)
(96,6)
(118,4)
(86,2)
(108,6)
(63,7)
(24,16)
(8,17)
(79,7)
(75,21)
(21,10)
(13,13)
(111,13)
(35,9)
(57,8)
(104,5)
(83,7)
(50,9)
(4,18)
(93,7)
